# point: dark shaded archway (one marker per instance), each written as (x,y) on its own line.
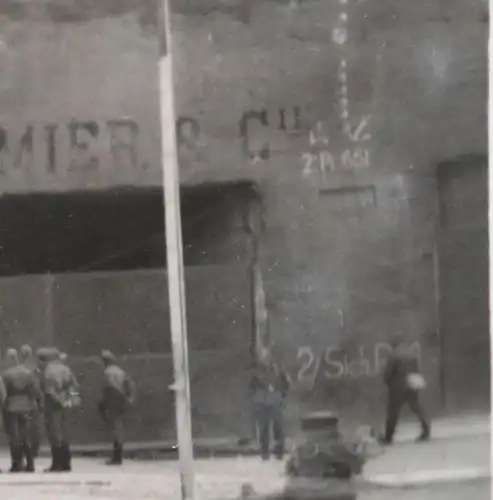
(119,230)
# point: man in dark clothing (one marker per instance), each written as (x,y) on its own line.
(118,394)
(3,397)
(269,386)
(29,361)
(59,385)
(23,397)
(400,366)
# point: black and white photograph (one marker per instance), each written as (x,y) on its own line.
(244,250)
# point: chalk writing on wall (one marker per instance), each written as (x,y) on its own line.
(332,363)
(322,160)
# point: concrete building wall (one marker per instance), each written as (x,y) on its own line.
(349,188)
(128,312)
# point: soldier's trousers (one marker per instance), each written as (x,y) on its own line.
(115,423)
(269,418)
(56,427)
(36,430)
(18,427)
(396,400)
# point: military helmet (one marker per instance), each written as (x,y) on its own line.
(47,354)
(108,356)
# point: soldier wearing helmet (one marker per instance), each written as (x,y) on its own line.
(23,398)
(59,385)
(118,394)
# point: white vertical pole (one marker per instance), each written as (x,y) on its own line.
(490,195)
(174,254)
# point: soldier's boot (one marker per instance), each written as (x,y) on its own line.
(117,456)
(65,458)
(425,433)
(55,460)
(264,443)
(29,455)
(16,459)
(36,444)
(279,450)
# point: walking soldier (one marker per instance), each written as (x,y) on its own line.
(118,393)
(3,397)
(23,398)
(60,388)
(400,372)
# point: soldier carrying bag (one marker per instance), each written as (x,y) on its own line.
(415,382)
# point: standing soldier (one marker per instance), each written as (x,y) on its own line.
(118,393)
(30,362)
(269,386)
(399,372)
(3,397)
(23,397)
(59,386)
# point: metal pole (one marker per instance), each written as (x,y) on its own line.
(490,185)
(174,254)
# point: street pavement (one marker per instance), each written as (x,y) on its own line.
(476,490)
(218,479)
(405,470)
(470,490)
(445,459)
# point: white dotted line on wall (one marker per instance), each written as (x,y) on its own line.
(340,36)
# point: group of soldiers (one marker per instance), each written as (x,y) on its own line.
(269,387)
(41,387)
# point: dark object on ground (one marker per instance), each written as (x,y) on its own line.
(322,465)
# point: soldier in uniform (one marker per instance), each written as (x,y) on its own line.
(58,385)
(269,386)
(23,397)
(118,393)
(400,365)
(29,361)
(3,397)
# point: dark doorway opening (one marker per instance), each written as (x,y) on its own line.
(119,230)
(105,253)
(463,283)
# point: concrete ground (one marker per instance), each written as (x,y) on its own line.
(455,458)
(448,468)
(476,490)
(443,428)
(473,490)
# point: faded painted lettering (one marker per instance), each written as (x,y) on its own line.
(333,363)
(123,142)
(51,151)
(261,117)
(82,136)
(187,131)
(291,114)
(16,154)
(283,119)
